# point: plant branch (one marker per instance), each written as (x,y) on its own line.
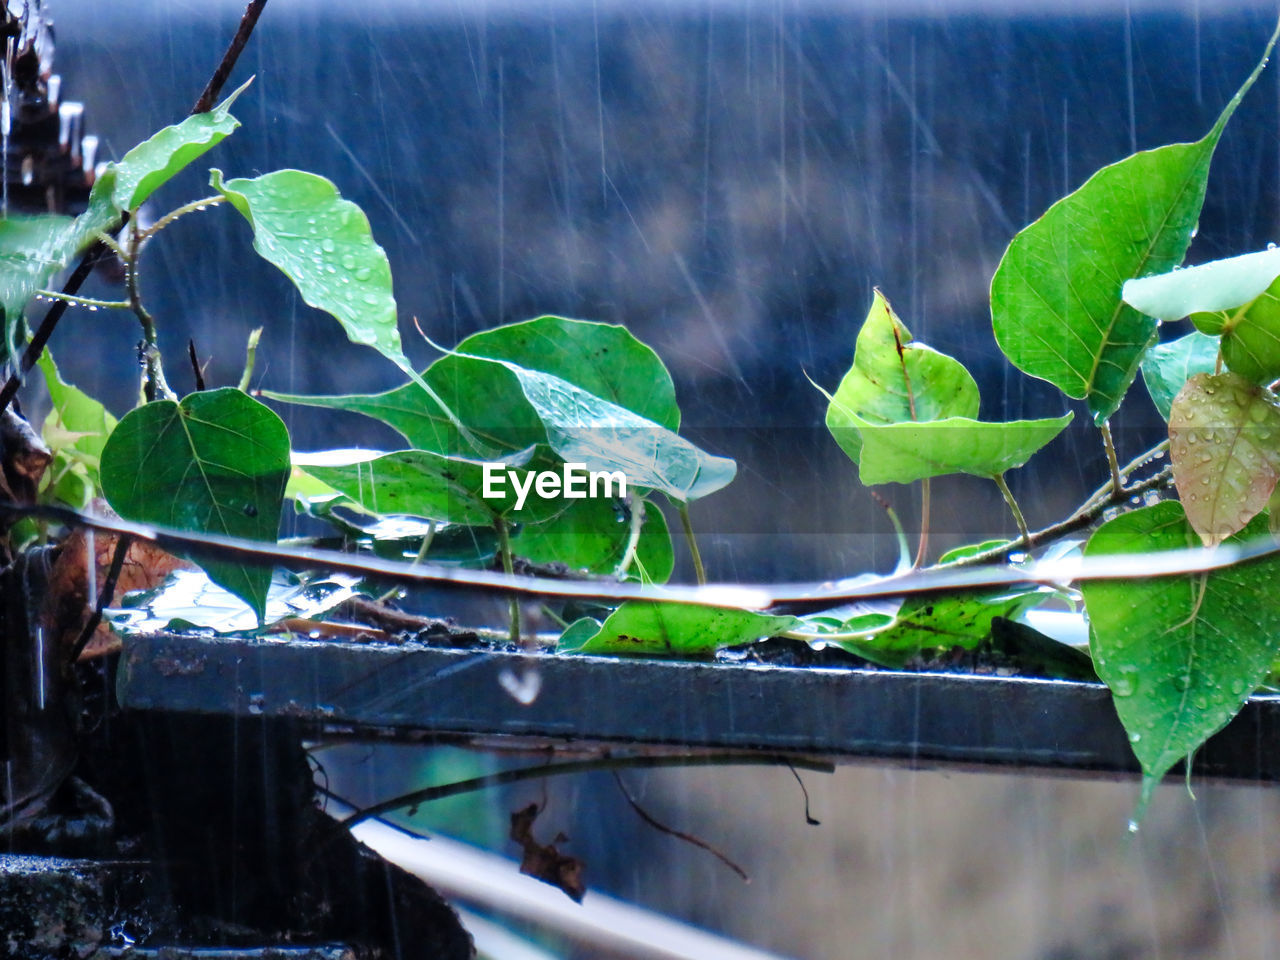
(153,384)
(504,551)
(214,87)
(104,597)
(689,838)
(635,522)
(250,358)
(1086,515)
(428,794)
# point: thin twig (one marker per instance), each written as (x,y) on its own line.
(785,597)
(1117,481)
(1024,538)
(428,794)
(104,597)
(926,489)
(661,827)
(808,817)
(211,91)
(195,363)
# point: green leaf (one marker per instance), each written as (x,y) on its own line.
(34,249)
(584,428)
(324,245)
(1056,302)
(75,416)
(424,484)
(590,535)
(674,630)
(1180,653)
(601,358)
(1167,366)
(215,463)
(1207,288)
(1224,446)
(483,395)
(941,622)
(894,379)
(903,452)
(155,161)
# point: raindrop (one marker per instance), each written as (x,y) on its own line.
(348,262)
(1133,826)
(363,273)
(1125,683)
(1182,682)
(1271,245)
(1135,737)
(328,245)
(370,299)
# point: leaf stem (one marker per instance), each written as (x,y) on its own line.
(1023,534)
(504,551)
(76,301)
(635,521)
(1117,482)
(925,504)
(699,571)
(250,357)
(182,211)
(153,384)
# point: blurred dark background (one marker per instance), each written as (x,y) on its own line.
(731,180)
(728,180)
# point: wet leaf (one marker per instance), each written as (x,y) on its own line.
(1224,446)
(1206,288)
(1167,366)
(601,358)
(420,483)
(189,598)
(215,463)
(1056,302)
(584,428)
(33,250)
(483,395)
(941,622)
(592,535)
(903,452)
(894,379)
(675,630)
(324,245)
(1181,654)
(156,160)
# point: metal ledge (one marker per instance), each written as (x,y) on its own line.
(841,714)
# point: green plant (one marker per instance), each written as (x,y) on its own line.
(1075,301)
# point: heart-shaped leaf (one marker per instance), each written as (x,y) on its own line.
(1167,366)
(903,452)
(1224,445)
(644,628)
(603,359)
(156,160)
(217,462)
(894,379)
(1180,653)
(1056,302)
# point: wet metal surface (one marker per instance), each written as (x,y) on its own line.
(844,714)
